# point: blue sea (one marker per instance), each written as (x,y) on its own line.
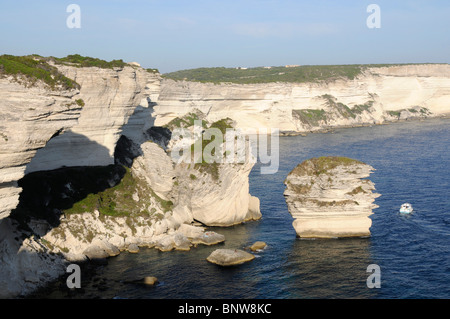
(412,165)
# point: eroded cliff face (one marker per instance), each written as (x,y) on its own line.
(331,197)
(43,129)
(377,95)
(98,179)
(154,204)
(74,134)
(217,194)
(112,98)
(29,117)
(153,201)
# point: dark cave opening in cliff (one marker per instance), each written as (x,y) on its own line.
(46,194)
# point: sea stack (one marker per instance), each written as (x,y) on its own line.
(331,197)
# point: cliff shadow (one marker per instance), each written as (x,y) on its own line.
(45,197)
(138,130)
(46,194)
(63,175)
(60,175)
(69,149)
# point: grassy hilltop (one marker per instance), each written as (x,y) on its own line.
(297,74)
(30,69)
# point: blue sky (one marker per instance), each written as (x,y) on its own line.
(179,34)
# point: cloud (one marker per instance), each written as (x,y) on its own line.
(283,30)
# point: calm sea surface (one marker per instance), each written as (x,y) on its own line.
(412,164)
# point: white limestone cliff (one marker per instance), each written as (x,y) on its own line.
(33,257)
(42,130)
(161,200)
(111,97)
(216,193)
(375,96)
(73,134)
(29,117)
(330,197)
(224,201)
(156,168)
(77,127)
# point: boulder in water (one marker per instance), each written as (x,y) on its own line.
(151,281)
(133,248)
(229,257)
(259,245)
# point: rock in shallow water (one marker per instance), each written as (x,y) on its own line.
(150,281)
(209,238)
(95,253)
(229,257)
(259,245)
(133,248)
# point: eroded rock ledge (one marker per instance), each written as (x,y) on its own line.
(331,197)
(76,214)
(100,178)
(377,95)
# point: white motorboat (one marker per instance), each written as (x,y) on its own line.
(406,208)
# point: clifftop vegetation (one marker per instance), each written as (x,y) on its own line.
(30,69)
(322,165)
(297,74)
(85,61)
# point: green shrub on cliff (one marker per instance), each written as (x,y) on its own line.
(417,111)
(322,165)
(223,125)
(299,74)
(313,117)
(152,71)
(360,108)
(119,201)
(185,121)
(210,164)
(343,109)
(80,102)
(207,164)
(85,61)
(30,69)
(4,136)
(310,116)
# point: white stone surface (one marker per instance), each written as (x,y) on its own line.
(334,203)
(29,117)
(271,104)
(156,167)
(111,97)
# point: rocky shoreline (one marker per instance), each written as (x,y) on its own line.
(378,95)
(332,129)
(88,197)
